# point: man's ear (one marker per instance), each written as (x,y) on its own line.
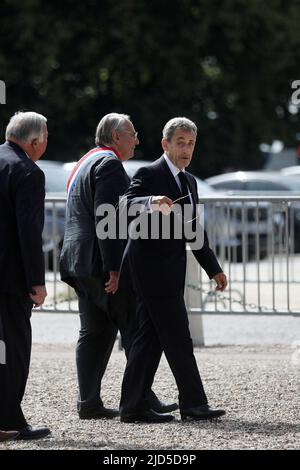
(164,144)
(35,143)
(115,136)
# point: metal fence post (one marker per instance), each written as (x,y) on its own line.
(193,300)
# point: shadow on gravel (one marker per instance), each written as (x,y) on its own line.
(235,425)
(52,443)
(224,428)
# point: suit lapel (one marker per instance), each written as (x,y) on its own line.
(173,186)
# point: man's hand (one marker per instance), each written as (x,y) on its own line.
(221,281)
(162,204)
(38,296)
(112,284)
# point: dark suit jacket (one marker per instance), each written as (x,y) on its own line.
(22,193)
(101,181)
(158,266)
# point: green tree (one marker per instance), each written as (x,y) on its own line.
(227,64)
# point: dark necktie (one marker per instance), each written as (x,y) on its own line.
(184,189)
(186,201)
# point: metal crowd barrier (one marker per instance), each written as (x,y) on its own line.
(257,240)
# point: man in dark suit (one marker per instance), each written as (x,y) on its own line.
(91,264)
(22,271)
(158,269)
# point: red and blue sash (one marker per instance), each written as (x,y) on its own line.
(96,152)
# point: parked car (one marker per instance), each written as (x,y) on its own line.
(56,177)
(291,171)
(268,184)
(254,182)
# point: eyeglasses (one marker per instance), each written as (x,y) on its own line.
(183,197)
(133,134)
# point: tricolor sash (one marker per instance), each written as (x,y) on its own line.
(96,152)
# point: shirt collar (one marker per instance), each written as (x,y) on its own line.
(173,168)
(104,147)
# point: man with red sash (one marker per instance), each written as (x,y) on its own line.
(91,264)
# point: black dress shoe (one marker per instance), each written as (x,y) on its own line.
(32,433)
(201,412)
(160,407)
(147,416)
(7,435)
(98,413)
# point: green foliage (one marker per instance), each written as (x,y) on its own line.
(227,64)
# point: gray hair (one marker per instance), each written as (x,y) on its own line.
(178,123)
(25,127)
(109,123)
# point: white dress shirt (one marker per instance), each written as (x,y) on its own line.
(175,172)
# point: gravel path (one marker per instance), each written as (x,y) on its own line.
(257,385)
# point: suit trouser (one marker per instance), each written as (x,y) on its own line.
(15,336)
(101,316)
(163,325)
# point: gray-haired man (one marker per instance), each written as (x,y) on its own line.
(22,271)
(91,264)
